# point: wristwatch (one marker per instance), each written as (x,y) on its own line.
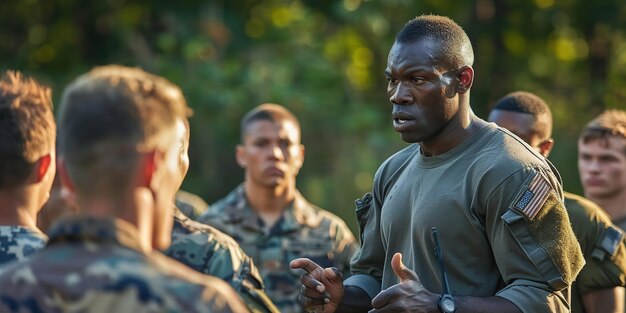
(446,304)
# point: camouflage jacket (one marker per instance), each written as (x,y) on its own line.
(18,242)
(96,264)
(304,230)
(209,251)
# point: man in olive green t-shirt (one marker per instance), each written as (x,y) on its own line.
(598,287)
(496,204)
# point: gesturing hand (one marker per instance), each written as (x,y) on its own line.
(322,289)
(409,295)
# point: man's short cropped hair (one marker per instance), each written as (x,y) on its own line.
(269,112)
(611,123)
(110,115)
(448,35)
(528,103)
(27,127)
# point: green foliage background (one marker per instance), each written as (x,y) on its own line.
(324,60)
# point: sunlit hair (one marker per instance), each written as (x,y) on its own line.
(110,115)
(529,103)
(268,112)
(447,34)
(611,123)
(27,127)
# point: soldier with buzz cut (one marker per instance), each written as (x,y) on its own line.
(267,215)
(466,218)
(27,163)
(119,151)
(599,285)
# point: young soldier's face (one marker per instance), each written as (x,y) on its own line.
(271,153)
(421,93)
(171,171)
(602,167)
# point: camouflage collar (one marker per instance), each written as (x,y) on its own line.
(78,228)
(297,214)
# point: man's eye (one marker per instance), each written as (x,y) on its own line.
(392,81)
(417,80)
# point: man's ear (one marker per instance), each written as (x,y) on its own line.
(465,78)
(148,167)
(66,181)
(546,146)
(240,155)
(41,167)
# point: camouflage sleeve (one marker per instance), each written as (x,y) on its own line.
(209,251)
(242,274)
(532,241)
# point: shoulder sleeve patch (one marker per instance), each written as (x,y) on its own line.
(611,240)
(532,196)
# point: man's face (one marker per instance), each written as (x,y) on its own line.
(171,172)
(422,95)
(602,167)
(271,153)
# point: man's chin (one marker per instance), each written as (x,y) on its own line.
(597,192)
(409,138)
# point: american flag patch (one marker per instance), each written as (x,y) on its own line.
(533,198)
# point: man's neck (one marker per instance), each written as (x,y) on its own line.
(453,136)
(615,206)
(269,203)
(137,209)
(16,210)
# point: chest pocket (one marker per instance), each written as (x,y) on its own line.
(362,211)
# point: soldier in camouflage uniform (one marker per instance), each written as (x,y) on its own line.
(208,250)
(118,134)
(598,287)
(266,214)
(27,163)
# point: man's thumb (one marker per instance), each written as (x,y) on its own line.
(403,272)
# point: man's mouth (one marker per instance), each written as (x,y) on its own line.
(401,120)
(401,117)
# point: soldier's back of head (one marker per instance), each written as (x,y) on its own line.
(116,124)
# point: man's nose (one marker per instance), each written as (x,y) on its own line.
(593,166)
(401,95)
(276,152)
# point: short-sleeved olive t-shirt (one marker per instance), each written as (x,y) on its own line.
(498,210)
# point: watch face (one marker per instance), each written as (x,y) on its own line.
(447,304)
